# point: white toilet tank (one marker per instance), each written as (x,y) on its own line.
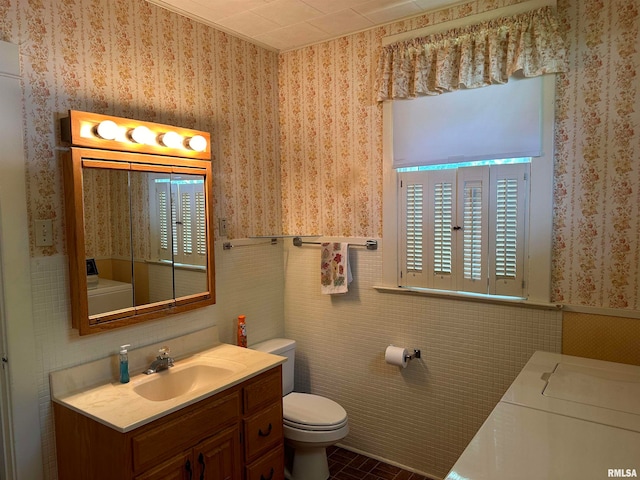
(286,348)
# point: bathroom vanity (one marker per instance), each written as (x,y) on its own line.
(215,415)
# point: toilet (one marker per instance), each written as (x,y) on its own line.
(311,422)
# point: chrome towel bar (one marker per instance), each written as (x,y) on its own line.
(370,244)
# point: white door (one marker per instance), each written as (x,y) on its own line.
(7,90)
(21,449)
(5,424)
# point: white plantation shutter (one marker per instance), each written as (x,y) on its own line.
(473,216)
(181,225)
(201,224)
(163,212)
(464,229)
(472,231)
(442,221)
(509,191)
(506,227)
(414,227)
(441,245)
(186,221)
(174,224)
(412,211)
(191,224)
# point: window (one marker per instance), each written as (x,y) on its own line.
(464,228)
(423,244)
(180,220)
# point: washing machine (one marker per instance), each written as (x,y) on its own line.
(109,295)
(564,417)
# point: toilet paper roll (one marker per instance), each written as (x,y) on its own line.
(396,356)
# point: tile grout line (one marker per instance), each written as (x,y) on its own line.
(342,460)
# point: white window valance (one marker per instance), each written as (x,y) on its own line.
(474,56)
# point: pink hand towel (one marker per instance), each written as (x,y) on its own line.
(335,274)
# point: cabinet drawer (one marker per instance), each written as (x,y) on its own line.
(263,430)
(173,469)
(155,445)
(268,467)
(263,391)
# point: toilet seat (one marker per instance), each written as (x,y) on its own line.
(305,411)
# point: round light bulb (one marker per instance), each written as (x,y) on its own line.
(198,143)
(107,129)
(171,140)
(141,134)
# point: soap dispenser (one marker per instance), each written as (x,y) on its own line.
(124,364)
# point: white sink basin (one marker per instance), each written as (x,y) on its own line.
(180,380)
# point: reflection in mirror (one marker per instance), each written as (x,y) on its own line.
(178,235)
(107,239)
(147,232)
(143,213)
(151,286)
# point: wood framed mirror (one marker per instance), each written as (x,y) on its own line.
(139,217)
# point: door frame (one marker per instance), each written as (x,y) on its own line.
(23,450)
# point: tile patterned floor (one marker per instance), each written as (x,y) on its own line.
(347,465)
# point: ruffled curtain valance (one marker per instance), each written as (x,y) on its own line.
(473,56)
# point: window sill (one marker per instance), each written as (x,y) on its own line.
(466,296)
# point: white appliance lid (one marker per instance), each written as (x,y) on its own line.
(571,387)
(106,286)
(312,410)
(595,386)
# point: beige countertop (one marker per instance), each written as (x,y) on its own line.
(120,407)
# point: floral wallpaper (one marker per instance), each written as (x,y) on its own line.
(132,59)
(117,216)
(331,138)
(319,171)
(597,173)
(331,145)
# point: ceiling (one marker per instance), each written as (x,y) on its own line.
(287,24)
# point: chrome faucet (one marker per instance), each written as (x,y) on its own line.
(162,362)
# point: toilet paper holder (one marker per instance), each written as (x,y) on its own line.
(411,356)
(400,356)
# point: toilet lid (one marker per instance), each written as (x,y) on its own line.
(312,412)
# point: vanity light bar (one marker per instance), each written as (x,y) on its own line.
(93,130)
(108,130)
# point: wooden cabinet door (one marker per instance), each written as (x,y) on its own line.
(184,431)
(180,467)
(219,457)
(216,458)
